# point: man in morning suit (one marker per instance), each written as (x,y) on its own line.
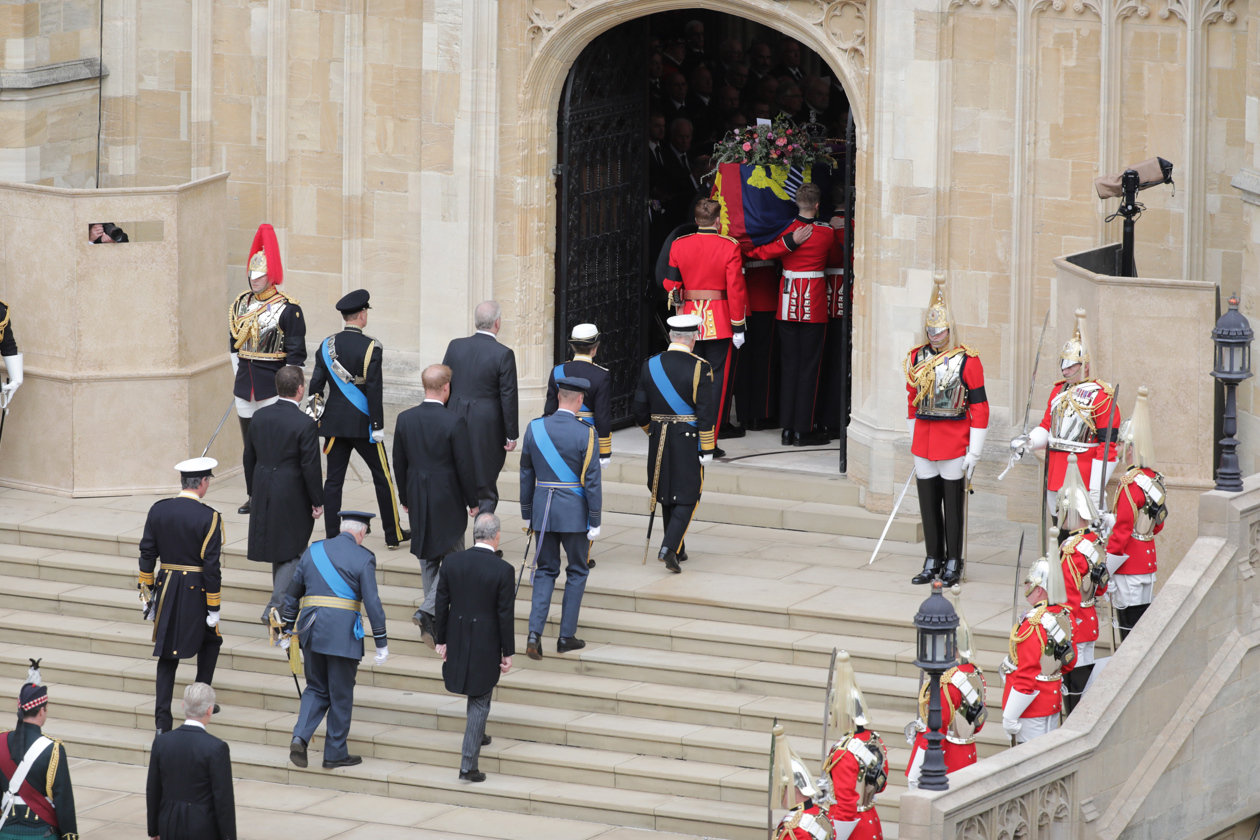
(474,630)
(434,460)
(676,405)
(596,407)
(282,472)
(333,585)
(182,598)
(189,790)
(561,500)
(483,392)
(353,418)
(46,804)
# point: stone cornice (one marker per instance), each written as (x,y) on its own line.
(1247,182)
(48,75)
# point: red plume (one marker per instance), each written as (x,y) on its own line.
(265,241)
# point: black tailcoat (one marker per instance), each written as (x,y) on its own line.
(189,790)
(433,462)
(284,478)
(483,392)
(474,618)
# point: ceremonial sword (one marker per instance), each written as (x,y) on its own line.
(1032,386)
(222,420)
(831,676)
(4,409)
(889,523)
(770,790)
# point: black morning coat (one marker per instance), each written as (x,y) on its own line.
(189,791)
(681,476)
(183,531)
(433,462)
(284,479)
(62,797)
(341,418)
(474,618)
(483,392)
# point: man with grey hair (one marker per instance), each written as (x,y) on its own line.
(475,632)
(189,790)
(483,392)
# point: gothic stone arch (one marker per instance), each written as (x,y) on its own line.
(557,32)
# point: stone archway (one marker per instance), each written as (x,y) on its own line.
(557,32)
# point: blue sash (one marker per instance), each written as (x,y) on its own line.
(356,397)
(552,456)
(334,579)
(676,402)
(558,373)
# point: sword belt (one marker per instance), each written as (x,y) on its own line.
(330,601)
(704,294)
(559,484)
(793,275)
(673,418)
(185,569)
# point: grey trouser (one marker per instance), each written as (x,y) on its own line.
(474,731)
(329,690)
(281,576)
(429,574)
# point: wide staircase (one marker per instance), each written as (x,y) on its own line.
(661,722)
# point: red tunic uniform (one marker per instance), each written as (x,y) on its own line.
(706,267)
(803,292)
(957,756)
(1093,412)
(1129,500)
(945,438)
(795,825)
(1076,563)
(761,278)
(1027,641)
(835,275)
(843,767)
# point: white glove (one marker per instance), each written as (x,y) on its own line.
(378,435)
(527,526)
(605,462)
(910,426)
(236,363)
(1016,704)
(974,448)
(1108,522)
(1096,472)
(212,619)
(1038,438)
(284,642)
(382,653)
(705,460)
(844,828)
(1115,561)
(738,340)
(14,365)
(592,533)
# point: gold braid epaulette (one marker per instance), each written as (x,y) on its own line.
(1034,621)
(949,702)
(789,823)
(920,376)
(52,768)
(1065,553)
(245,327)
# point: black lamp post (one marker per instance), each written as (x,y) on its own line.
(936,623)
(1232,336)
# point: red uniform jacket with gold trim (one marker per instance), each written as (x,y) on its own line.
(957,756)
(1076,569)
(844,776)
(1084,460)
(1129,500)
(708,261)
(789,828)
(946,438)
(802,298)
(1027,642)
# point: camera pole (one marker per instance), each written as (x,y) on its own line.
(1130,183)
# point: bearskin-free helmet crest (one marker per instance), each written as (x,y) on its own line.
(963,634)
(846,705)
(938,319)
(789,773)
(1048,574)
(1076,350)
(1075,505)
(1137,443)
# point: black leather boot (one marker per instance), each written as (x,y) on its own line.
(931,511)
(244,437)
(955,504)
(788,437)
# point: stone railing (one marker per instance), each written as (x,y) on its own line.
(1164,744)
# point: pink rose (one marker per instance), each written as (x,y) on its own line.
(748,147)
(789,131)
(781,141)
(774,153)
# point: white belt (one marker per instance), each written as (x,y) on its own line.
(839,271)
(758,263)
(793,275)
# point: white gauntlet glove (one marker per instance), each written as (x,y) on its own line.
(382,653)
(1016,704)
(605,462)
(592,533)
(975,447)
(236,363)
(705,460)
(13,364)
(378,435)
(212,619)
(738,340)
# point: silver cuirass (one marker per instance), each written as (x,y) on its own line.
(1072,416)
(871,777)
(1089,550)
(1058,627)
(255,326)
(1151,514)
(941,389)
(971,686)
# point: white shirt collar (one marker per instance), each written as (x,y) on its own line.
(565,410)
(652,145)
(487,332)
(188,494)
(674,345)
(486,546)
(430,399)
(295,402)
(196,723)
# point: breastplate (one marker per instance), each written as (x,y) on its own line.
(1072,416)
(1149,516)
(938,379)
(871,777)
(255,326)
(1058,629)
(971,685)
(1089,550)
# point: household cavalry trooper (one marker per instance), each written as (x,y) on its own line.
(561,499)
(596,407)
(1078,420)
(791,787)
(12,356)
(266,331)
(182,597)
(948,418)
(856,768)
(335,582)
(705,278)
(352,418)
(963,711)
(1039,651)
(676,405)
(1084,562)
(1140,508)
(35,772)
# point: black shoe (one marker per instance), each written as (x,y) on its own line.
(763,424)
(953,572)
(719,453)
(485,740)
(348,761)
(533,648)
(732,432)
(831,432)
(473,775)
(682,556)
(422,620)
(394,546)
(931,568)
(244,508)
(787,437)
(297,752)
(671,560)
(564,645)
(810,439)
(590,564)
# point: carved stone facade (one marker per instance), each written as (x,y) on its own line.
(1044,813)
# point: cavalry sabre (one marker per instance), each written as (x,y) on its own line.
(889,523)
(1032,386)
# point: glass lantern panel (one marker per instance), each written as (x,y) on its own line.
(1235,360)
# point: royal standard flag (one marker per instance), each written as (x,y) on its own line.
(756,200)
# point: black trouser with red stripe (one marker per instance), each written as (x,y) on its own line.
(717,351)
(802,346)
(338,450)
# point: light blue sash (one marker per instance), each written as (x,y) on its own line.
(552,456)
(558,373)
(356,397)
(334,579)
(671,395)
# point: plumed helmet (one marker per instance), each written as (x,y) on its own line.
(1048,574)
(963,634)
(1075,505)
(1076,350)
(1137,443)
(788,772)
(264,256)
(938,318)
(846,706)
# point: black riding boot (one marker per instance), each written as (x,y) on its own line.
(955,493)
(244,437)
(1129,619)
(1074,681)
(931,511)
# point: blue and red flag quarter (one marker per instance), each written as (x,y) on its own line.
(756,200)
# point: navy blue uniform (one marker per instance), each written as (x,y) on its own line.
(596,405)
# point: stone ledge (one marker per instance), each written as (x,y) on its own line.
(1247,182)
(52,74)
